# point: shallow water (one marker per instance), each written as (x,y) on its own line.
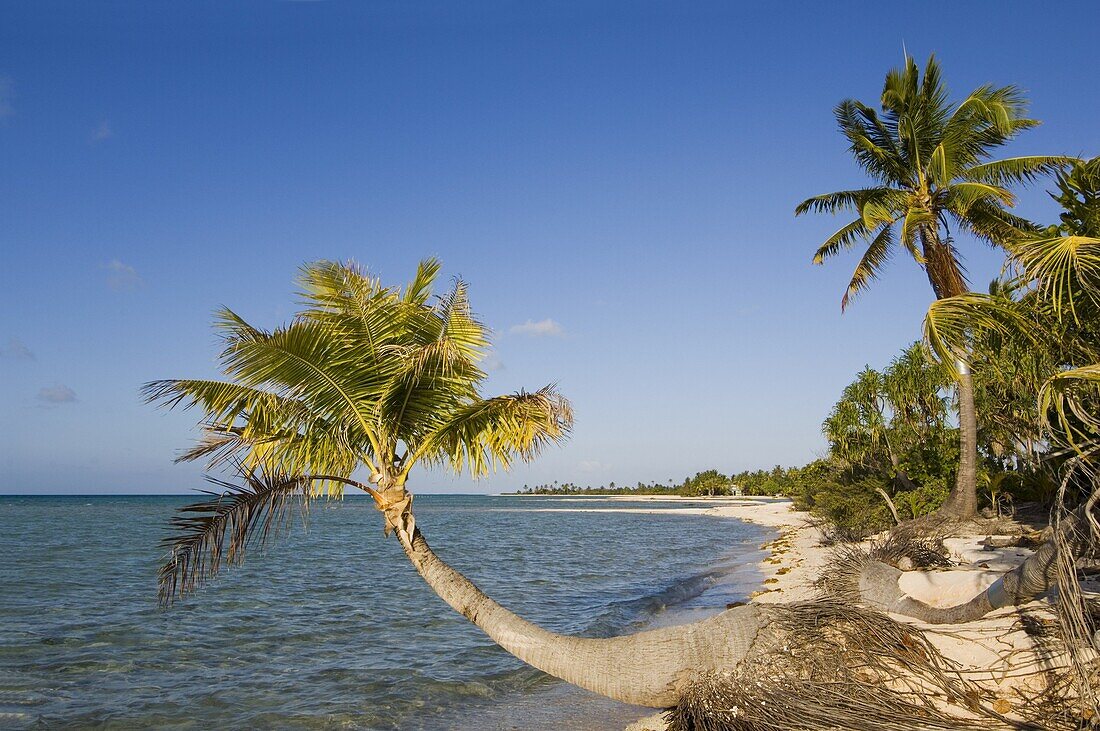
(333,629)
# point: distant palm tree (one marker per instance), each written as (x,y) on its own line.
(932,170)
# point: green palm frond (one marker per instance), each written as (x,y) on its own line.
(847,200)
(961,196)
(871,142)
(870,264)
(952,323)
(915,219)
(992,223)
(459,326)
(1066,269)
(221,401)
(1068,405)
(1016,169)
(486,434)
(419,289)
(844,238)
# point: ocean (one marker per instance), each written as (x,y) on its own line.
(332,628)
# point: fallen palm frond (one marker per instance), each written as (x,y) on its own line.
(1076,623)
(904,549)
(824,665)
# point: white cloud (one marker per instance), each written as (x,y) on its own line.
(16,349)
(591,465)
(540,329)
(59,394)
(121,276)
(102,132)
(492,363)
(7,92)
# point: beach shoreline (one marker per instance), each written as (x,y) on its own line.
(795,557)
(993,650)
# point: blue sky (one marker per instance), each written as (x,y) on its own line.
(619,177)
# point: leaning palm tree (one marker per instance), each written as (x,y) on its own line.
(932,171)
(384,379)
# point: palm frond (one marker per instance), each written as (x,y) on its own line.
(870,264)
(1066,270)
(846,200)
(490,433)
(990,222)
(419,289)
(915,219)
(870,141)
(1068,406)
(844,238)
(952,323)
(962,195)
(221,401)
(218,531)
(1016,169)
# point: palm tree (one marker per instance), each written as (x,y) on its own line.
(384,379)
(367,376)
(933,177)
(1057,314)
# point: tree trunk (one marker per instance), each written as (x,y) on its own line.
(646,669)
(879,589)
(963,500)
(889,504)
(947,281)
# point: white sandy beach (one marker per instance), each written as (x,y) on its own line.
(994,651)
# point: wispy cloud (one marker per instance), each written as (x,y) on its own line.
(591,465)
(16,349)
(7,93)
(59,394)
(122,277)
(540,329)
(102,132)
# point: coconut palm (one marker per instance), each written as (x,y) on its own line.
(1053,307)
(383,379)
(933,178)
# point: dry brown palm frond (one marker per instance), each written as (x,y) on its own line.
(825,665)
(906,550)
(220,529)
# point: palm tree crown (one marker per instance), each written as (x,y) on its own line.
(933,173)
(364,376)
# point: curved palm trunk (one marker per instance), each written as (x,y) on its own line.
(646,669)
(878,583)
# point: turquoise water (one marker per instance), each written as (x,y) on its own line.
(333,629)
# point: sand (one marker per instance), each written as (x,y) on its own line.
(992,651)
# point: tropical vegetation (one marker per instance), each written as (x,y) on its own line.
(933,177)
(1002,392)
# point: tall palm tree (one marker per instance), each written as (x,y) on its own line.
(1055,311)
(933,178)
